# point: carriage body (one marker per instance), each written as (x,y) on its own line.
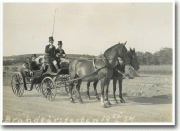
(45,80)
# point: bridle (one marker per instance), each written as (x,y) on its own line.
(108,65)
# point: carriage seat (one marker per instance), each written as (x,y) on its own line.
(64,63)
(35,66)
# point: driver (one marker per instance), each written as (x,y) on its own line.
(50,56)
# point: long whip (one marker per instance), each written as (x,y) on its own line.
(54,20)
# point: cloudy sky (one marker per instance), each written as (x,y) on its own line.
(86,28)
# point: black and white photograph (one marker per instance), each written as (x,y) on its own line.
(104,63)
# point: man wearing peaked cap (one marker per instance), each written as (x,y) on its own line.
(50,51)
(59,51)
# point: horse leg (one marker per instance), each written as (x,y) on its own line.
(96,94)
(78,90)
(71,85)
(114,90)
(106,96)
(102,93)
(88,96)
(120,91)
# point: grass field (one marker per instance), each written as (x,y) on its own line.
(156,69)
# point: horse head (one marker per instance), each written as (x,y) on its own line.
(123,53)
(133,59)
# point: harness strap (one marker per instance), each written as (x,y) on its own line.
(110,66)
(89,74)
(94,64)
(120,72)
(107,63)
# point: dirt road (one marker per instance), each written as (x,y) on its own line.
(151,101)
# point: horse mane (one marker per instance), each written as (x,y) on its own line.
(112,47)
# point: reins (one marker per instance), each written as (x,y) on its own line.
(88,74)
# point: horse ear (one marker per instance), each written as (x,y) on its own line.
(125,43)
(134,49)
(130,48)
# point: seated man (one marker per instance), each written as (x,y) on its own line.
(60,54)
(36,64)
(33,57)
(26,68)
(26,64)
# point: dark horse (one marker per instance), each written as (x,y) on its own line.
(100,69)
(118,77)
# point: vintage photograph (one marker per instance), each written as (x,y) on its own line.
(88,63)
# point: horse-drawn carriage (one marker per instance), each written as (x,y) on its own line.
(99,69)
(45,80)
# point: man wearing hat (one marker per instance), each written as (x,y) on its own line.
(60,53)
(50,51)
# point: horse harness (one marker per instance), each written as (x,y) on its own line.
(108,65)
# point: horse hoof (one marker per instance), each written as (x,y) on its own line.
(72,101)
(122,101)
(116,102)
(88,97)
(97,98)
(103,106)
(108,103)
(80,101)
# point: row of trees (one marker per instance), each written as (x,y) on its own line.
(11,62)
(162,57)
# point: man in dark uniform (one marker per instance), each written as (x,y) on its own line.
(50,51)
(60,53)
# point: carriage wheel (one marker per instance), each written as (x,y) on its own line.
(67,85)
(17,84)
(48,88)
(38,87)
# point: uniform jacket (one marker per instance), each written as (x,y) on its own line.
(60,51)
(50,52)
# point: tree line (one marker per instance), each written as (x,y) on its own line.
(162,57)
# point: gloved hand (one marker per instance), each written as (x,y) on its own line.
(50,46)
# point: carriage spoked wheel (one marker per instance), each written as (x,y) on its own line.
(17,84)
(38,87)
(67,84)
(48,88)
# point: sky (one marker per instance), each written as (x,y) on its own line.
(86,28)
